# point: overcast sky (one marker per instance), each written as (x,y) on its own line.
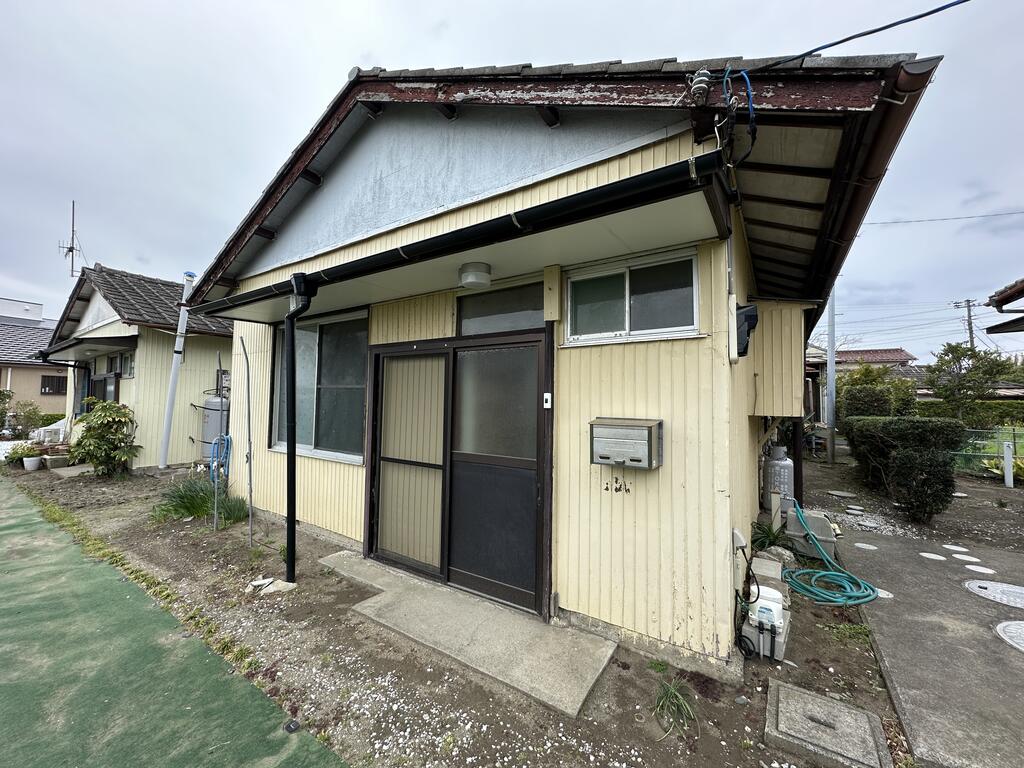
(165,120)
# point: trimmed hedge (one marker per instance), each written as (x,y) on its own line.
(984,414)
(865,400)
(909,457)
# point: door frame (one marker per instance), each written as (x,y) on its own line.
(544,340)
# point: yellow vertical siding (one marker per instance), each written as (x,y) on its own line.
(431,316)
(649,551)
(146,393)
(777,348)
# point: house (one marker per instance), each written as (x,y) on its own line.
(468,272)
(23,332)
(897,359)
(116,337)
(1000,299)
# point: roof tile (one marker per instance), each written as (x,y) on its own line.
(19,343)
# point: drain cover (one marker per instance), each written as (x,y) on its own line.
(1013,633)
(1007,594)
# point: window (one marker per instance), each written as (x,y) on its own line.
(54,385)
(643,299)
(510,309)
(330,358)
(127,365)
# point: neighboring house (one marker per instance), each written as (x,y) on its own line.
(23,332)
(491,259)
(891,357)
(116,335)
(1002,390)
(816,366)
(1000,299)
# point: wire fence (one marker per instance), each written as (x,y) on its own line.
(983,451)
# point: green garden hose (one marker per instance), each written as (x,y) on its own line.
(833,587)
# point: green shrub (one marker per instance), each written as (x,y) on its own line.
(25,417)
(904,397)
(6,395)
(982,414)
(22,451)
(865,400)
(46,419)
(921,479)
(108,437)
(909,457)
(193,497)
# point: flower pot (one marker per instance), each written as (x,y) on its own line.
(55,461)
(32,463)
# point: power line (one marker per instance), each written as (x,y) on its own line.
(859,35)
(942,218)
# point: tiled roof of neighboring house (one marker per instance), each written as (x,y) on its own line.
(137,300)
(20,342)
(889,355)
(149,301)
(1007,294)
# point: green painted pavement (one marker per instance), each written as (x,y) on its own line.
(94,673)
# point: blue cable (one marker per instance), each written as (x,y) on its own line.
(832,587)
(217,460)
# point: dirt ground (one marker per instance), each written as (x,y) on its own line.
(988,514)
(379,700)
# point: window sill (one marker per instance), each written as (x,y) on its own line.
(600,340)
(315,453)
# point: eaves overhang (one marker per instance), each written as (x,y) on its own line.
(699,178)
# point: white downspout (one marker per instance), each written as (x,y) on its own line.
(734,347)
(172,384)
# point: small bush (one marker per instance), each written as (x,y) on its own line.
(193,497)
(866,400)
(22,451)
(763,536)
(46,419)
(921,479)
(25,417)
(908,457)
(108,438)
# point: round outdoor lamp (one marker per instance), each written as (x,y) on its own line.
(475,274)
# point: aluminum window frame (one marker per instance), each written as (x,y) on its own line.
(305,449)
(623,267)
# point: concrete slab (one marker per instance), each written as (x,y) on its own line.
(554,665)
(829,732)
(954,682)
(74,471)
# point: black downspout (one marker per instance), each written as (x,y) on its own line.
(302,292)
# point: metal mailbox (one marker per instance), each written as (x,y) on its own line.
(632,443)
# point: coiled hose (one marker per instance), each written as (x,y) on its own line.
(220,455)
(832,587)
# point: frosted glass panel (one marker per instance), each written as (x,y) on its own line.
(496,402)
(598,305)
(305,367)
(661,296)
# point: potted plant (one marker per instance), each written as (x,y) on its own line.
(27,454)
(32,463)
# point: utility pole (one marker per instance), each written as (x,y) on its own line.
(830,402)
(967,304)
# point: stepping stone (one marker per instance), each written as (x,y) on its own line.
(955,548)
(931,556)
(854,508)
(980,569)
(855,512)
(843,494)
(959,495)
(884,593)
(967,558)
(824,730)
(862,545)
(869,524)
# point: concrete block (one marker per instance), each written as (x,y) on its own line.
(828,732)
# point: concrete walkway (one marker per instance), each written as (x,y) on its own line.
(94,673)
(556,666)
(956,685)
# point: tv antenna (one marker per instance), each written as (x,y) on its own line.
(73,246)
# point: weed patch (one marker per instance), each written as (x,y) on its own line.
(847,633)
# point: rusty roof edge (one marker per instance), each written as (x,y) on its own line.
(357,76)
(1006,295)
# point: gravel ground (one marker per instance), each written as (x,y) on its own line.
(380,700)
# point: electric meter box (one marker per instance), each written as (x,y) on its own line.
(632,443)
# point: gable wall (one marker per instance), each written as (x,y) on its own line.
(411,163)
